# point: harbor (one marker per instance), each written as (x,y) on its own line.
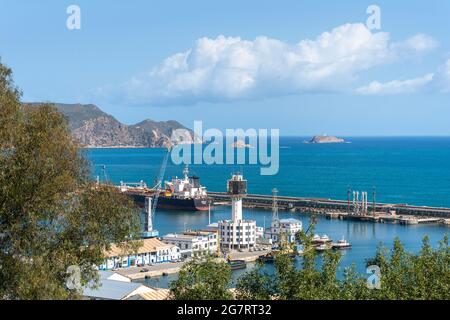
(355,226)
(281,222)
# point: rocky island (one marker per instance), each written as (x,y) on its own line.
(326,139)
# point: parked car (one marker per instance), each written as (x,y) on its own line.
(144,270)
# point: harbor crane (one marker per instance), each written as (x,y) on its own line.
(152,202)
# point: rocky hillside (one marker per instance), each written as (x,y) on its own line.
(94,128)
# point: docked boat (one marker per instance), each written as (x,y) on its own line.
(237,264)
(323,247)
(270,257)
(341,244)
(267,258)
(321,239)
(184,194)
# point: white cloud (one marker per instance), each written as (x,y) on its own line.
(396,86)
(228,68)
(438,82)
(441,81)
(419,43)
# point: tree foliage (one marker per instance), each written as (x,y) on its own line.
(202,278)
(52,215)
(404,275)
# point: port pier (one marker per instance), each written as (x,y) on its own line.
(332,209)
(338,209)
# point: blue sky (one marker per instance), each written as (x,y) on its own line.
(305,67)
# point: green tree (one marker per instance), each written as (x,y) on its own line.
(256,284)
(425,275)
(202,278)
(52,215)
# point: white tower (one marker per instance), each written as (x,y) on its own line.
(148,231)
(149,218)
(237,189)
(237,233)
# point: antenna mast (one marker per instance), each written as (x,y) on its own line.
(275,205)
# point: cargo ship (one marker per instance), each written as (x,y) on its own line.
(184,194)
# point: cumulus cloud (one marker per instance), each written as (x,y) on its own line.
(229,68)
(438,82)
(396,86)
(419,43)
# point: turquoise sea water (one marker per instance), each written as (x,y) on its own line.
(404,170)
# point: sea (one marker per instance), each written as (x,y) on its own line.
(402,170)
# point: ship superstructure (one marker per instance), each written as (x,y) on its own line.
(185,194)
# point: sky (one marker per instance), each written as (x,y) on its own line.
(304,67)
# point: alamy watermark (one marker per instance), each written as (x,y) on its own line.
(374,20)
(73,21)
(212,146)
(73,280)
(374,280)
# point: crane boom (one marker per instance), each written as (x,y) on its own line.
(159,183)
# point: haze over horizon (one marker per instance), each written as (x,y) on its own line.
(299,66)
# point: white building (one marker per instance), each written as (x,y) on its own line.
(237,233)
(281,230)
(192,243)
(150,252)
(286,228)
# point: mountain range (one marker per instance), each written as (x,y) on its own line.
(94,128)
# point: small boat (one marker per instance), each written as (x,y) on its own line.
(237,264)
(341,244)
(267,258)
(321,239)
(323,247)
(270,257)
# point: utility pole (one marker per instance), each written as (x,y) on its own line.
(209,214)
(349,191)
(105,175)
(374,199)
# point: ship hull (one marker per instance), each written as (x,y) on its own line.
(190,204)
(172,203)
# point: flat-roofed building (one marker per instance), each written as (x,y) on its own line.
(151,251)
(192,243)
(280,228)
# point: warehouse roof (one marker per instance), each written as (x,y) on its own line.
(147,245)
(113,290)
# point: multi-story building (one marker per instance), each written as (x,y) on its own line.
(237,233)
(280,228)
(192,243)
